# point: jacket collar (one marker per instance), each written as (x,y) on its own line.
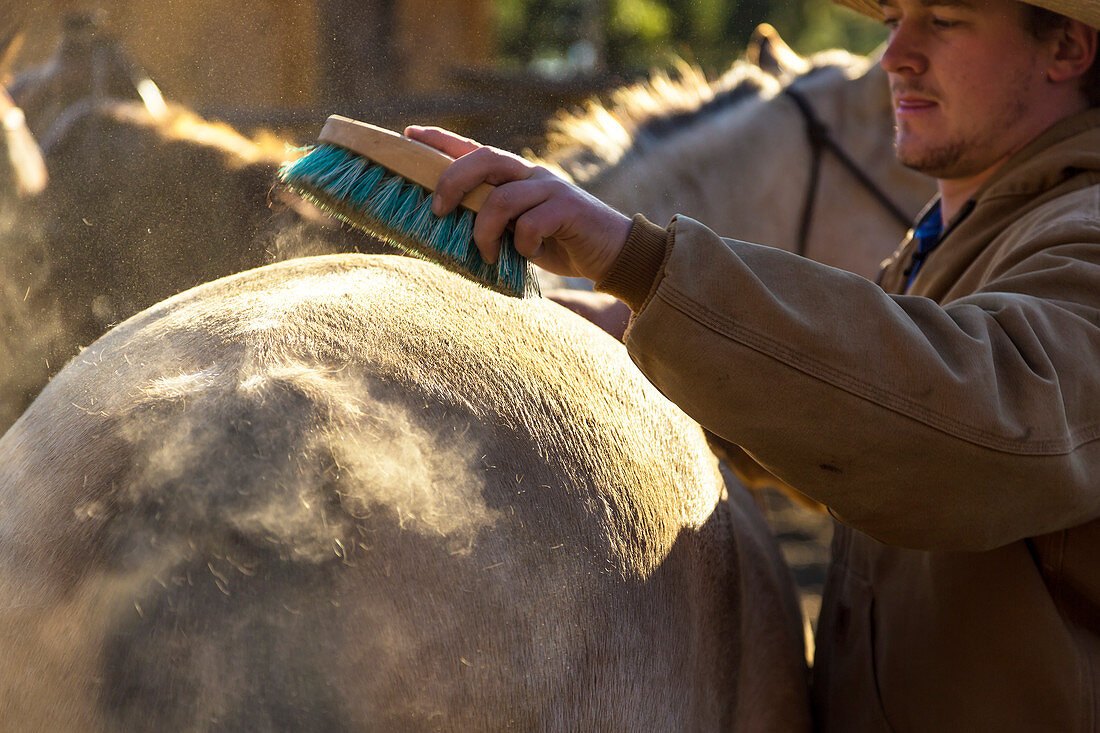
(1042,168)
(1068,147)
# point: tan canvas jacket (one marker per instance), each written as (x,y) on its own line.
(954,430)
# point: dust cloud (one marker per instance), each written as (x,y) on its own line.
(31,326)
(299,458)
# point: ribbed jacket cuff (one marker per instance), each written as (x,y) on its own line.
(635,272)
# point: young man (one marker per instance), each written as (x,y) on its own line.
(949,417)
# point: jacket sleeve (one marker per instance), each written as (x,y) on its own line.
(962,426)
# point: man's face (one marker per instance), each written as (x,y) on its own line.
(967,83)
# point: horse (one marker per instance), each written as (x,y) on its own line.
(347,492)
(754,156)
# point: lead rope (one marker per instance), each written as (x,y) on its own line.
(819,137)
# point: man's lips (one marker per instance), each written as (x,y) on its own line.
(913,103)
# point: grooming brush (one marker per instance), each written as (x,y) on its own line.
(381,182)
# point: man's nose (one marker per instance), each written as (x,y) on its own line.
(904,51)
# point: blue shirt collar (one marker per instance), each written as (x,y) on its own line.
(927,233)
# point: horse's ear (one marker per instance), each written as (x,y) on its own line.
(769,52)
(11,41)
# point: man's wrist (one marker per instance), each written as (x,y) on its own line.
(634,273)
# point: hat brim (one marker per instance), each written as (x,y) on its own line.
(870,8)
(1083,10)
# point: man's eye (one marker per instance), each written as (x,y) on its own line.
(944,23)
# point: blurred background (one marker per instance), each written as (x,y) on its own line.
(496,69)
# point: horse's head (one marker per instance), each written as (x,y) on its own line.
(88,66)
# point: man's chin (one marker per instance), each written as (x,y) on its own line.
(919,165)
(937,162)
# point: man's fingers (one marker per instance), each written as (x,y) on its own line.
(566,230)
(521,202)
(442,140)
(482,165)
(539,223)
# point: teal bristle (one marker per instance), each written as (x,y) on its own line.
(369,197)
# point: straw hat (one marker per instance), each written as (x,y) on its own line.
(1086,11)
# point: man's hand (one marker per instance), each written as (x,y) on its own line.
(556,225)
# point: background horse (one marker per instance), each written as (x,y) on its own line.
(347,492)
(138,208)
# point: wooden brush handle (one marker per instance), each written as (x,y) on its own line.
(408,158)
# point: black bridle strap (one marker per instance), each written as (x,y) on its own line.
(821,139)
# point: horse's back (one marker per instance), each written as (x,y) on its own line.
(353,492)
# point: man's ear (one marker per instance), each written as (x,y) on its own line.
(1074,53)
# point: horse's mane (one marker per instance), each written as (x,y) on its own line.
(180,123)
(582,143)
(176,123)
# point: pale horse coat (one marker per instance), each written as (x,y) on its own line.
(353,492)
